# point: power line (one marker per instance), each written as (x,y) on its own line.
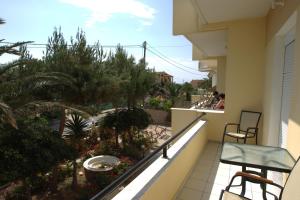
(171,62)
(42,45)
(170,46)
(175,62)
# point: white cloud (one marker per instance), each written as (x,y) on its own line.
(103,10)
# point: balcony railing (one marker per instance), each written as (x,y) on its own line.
(141,165)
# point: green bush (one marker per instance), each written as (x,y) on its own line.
(133,151)
(167,105)
(154,103)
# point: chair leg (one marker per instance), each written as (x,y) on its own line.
(223,139)
(256,139)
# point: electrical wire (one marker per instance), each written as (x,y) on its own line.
(30,45)
(171,62)
(175,62)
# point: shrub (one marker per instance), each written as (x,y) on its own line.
(154,103)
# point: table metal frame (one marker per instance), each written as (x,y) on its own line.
(263,168)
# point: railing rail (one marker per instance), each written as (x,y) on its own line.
(142,163)
(204,100)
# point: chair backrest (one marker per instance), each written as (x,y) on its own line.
(291,189)
(249,119)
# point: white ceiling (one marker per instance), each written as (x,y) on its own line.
(212,43)
(227,10)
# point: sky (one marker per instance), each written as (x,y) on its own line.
(111,22)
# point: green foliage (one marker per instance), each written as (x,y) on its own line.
(30,150)
(120,169)
(77,125)
(206,84)
(124,119)
(167,105)
(157,103)
(154,103)
(187,89)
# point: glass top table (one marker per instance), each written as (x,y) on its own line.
(262,157)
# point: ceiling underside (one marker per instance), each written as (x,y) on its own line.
(227,10)
(212,44)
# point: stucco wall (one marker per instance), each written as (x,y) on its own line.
(277,17)
(174,177)
(181,117)
(293,140)
(221,74)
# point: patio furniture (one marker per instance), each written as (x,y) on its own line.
(261,157)
(289,192)
(246,128)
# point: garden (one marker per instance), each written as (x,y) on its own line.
(72,83)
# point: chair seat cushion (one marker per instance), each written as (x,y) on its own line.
(231,196)
(239,135)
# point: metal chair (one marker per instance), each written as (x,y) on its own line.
(289,192)
(246,128)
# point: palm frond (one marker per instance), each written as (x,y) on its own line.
(77,125)
(11,48)
(36,107)
(7,115)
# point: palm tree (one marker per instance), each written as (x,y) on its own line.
(6,113)
(77,125)
(187,88)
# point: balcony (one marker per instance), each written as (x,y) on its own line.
(209,177)
(192,169)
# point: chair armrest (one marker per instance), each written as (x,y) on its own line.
(254,179)
(252,128)
(227,124)
(231,124)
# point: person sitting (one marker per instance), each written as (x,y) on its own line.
(221,103)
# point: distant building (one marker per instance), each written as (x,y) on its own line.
(164,77)
(196,83)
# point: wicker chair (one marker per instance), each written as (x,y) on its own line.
(246,128)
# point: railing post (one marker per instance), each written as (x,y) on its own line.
(165,152)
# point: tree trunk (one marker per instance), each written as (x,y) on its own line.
(54,179)
(62,121)
(117,139)
(74,180)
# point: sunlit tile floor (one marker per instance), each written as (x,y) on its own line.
(209,177)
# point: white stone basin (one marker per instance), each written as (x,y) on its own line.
(101,163)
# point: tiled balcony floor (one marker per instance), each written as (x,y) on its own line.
(209,177)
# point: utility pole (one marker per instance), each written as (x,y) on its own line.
(145,48)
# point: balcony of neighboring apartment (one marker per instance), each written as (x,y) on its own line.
(253,48)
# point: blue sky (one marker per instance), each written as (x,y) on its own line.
(128,22)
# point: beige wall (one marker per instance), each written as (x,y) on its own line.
(173,178)
(277,17)
(185,18)
(243,75)
(180,118)
(221,74)
(293,142)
